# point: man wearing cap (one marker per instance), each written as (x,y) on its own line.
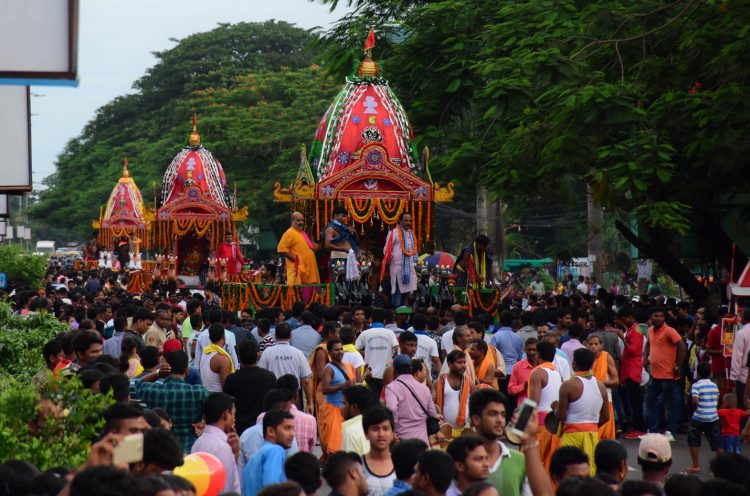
(410,402)
(655,457)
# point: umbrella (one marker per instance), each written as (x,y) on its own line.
(437,258)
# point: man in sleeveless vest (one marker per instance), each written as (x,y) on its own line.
(583,406)
(544,388)
(605,371)
(318,360)
(337,376)
(512,472)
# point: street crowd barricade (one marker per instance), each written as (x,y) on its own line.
(238,296)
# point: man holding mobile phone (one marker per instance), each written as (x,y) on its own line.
(512,472)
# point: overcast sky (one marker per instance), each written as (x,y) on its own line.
(116,39)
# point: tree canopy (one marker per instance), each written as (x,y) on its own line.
(645,102)
(258,94)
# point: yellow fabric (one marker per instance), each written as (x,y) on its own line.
(587,441)
(213,348)
(294,243)
(599,369)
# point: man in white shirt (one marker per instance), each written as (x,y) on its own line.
(378,345)
(582,286)
(460,318)
(282,358)
(427,349)
(216,316)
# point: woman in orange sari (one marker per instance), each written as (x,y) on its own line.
(604,370)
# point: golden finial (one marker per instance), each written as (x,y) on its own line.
(125,172)
(195,138)
(368,67)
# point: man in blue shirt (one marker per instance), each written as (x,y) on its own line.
(252,439)
(508,342)
(266,467)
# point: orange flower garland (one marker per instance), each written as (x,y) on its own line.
(403,247)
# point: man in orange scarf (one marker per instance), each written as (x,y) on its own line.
(544,389)
(452,395)
(483,363)
(605,371)
(299,250)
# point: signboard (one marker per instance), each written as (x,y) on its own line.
(3,280)
(15,138)
(40,40)
(730,324)
(8,232)
(4,207)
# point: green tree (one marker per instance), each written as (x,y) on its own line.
(22,267)
(645,102)
(258,95)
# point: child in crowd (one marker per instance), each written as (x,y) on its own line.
(705,419)
(731,417)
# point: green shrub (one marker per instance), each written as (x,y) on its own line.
(63,439)
(22,267)
(21,342)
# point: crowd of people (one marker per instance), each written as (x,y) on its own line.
(398,400)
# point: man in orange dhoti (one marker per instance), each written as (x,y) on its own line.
(544,388)
(605,371)
(299,250)
(337,376)
(318,360)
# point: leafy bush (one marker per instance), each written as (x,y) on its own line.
(62,433)
(22,267)
(21,342)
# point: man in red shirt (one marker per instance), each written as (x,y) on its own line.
(719,363)
(230,251)
(665,352)
(630,370)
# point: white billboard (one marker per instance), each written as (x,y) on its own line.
(15,139)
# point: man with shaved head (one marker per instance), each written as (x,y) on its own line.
(299,250)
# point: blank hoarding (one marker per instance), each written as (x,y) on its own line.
(9,232)
(15,139)
(4,209)
(40,39)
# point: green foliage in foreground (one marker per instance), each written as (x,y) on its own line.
(21,342)
(53,433)
(22,267)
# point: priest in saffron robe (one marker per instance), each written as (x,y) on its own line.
(299,250)
(230,251)
(400,253)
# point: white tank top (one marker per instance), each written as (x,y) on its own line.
(586,409)
(451,402)
(211,379)
(550,392)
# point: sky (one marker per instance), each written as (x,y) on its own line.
(116,39)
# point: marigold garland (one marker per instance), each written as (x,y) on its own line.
(390,210)
(236,296)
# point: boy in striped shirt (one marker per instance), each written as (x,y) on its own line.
(705,418)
